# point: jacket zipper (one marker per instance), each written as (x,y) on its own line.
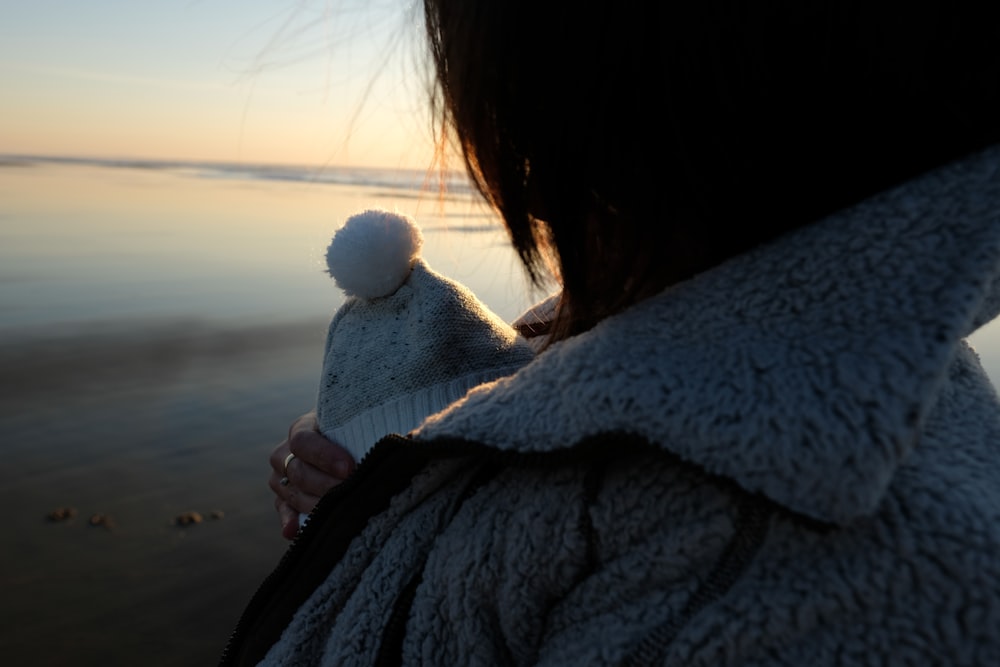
(390,651)
(415,455)
(753,523)
(303,541)
(390,447)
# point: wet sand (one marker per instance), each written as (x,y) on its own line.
(141,424)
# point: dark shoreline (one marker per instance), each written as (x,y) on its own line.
(106,354)
(142,423)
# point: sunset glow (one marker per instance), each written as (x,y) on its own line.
(312,83)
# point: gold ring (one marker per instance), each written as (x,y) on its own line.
(288,459)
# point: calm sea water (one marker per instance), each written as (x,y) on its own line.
(85,243)
(160,326)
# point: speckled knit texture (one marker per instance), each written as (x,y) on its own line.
(391,361)
(823,374)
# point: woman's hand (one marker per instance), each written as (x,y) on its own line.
(318,466)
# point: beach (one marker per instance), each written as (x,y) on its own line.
(160,327)
(140,431)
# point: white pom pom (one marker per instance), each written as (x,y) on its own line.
(373,253)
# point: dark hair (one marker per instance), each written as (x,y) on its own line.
(642,143)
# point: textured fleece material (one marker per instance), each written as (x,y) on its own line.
(822,377)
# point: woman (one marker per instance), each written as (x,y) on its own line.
(756,435)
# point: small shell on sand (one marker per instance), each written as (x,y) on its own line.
(188,518)
(61,514)
(102,520)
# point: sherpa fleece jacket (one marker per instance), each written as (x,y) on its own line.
(790,459)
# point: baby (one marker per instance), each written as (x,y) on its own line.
(407,342)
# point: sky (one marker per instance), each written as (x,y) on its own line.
(307,82)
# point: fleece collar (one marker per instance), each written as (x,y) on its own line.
(802,370)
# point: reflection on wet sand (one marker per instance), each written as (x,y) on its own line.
(118,439)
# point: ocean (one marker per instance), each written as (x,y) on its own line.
(161,324)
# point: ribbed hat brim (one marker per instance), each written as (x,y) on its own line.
(403,414)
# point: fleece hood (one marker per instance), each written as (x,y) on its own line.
(803,370)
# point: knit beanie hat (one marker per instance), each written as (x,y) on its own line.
(407,342)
